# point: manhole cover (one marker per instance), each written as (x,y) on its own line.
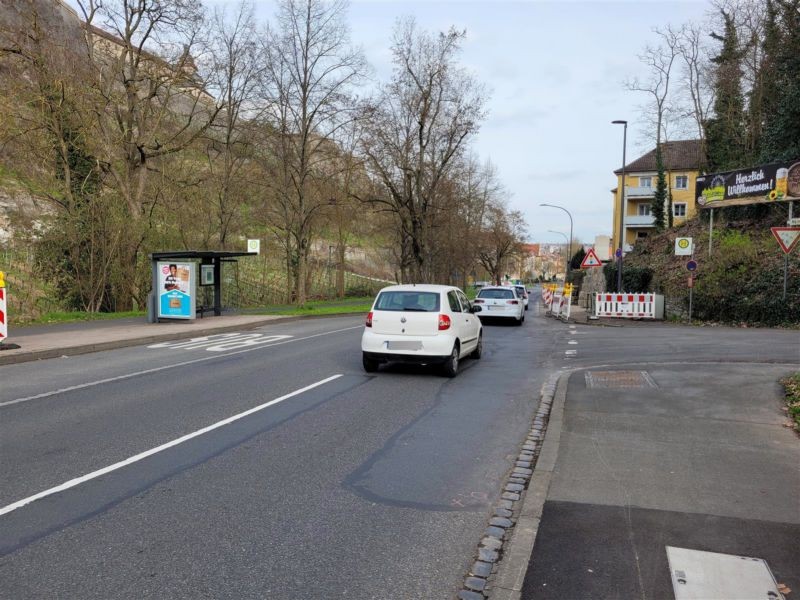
(699,575)
(619,379)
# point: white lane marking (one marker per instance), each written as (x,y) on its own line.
(572,342)
(164,367)
(571,352)
(572,326)
(221,342)
(137,457)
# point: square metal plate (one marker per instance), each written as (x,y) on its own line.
(699,575)
(619,379)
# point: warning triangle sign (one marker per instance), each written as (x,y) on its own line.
(590,260)
(787,237)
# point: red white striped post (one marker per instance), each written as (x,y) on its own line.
(3,309)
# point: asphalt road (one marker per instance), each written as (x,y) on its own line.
(349,485)
(362,487)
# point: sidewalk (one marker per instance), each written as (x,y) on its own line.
(692,457)
(67,339)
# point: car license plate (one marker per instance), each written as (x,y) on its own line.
(403,345)
(496,307)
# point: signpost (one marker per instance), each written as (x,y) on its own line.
(691,266)
(254,246)
(684,246)
(591,260)
(787,239)
(3,309)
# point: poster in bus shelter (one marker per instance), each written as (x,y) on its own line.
(176,296)
(775,182)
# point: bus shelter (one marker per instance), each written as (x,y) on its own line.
(177,277)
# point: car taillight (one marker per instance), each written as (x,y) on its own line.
(444,322)
(478,301)
(512,301)
(369,319)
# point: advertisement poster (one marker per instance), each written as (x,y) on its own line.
(176,290)
(775,182)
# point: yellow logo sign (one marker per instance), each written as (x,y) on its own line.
(683,243)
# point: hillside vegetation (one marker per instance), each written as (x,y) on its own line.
(742,280)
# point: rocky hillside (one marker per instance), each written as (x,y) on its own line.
(742,280)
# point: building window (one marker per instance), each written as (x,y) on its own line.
(679,209)
(645,182)
(641,235)
(644,210)
(681,182)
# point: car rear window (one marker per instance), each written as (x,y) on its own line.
(408,301)
(496,294)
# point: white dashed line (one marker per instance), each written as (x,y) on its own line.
(571,352)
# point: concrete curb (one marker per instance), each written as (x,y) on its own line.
(174,334)
(510,577)
(488,577)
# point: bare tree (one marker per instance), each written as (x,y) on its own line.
(149,104)
(501,239)
(311,71)
(659,61)
(695,79)
(419,124)
(236,67)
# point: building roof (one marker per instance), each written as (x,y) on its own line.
(677,155)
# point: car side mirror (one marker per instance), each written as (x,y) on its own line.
(476,308)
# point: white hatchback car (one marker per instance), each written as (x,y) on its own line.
(422,324)
(501,301)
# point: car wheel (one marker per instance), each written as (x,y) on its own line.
(370,364)
(526,307)
(478,349)
(450,366)
(519,321)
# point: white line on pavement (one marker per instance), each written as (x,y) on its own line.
(571,352)
(572,342)
(137,457)
(164,367)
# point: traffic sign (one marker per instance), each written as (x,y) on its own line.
(618,252)
(591,260)
(684,246)
(787,237)
(254,246)
(691,265)
(793,222)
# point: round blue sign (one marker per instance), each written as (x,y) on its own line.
(618,253)
(692,265)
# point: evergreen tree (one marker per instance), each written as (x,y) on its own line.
(725,130)
(781,138)
(577,258)
(660,195)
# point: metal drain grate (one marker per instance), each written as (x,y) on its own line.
(619,379)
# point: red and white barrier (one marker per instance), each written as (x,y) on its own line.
(3,316)
(630,306)
(556,303)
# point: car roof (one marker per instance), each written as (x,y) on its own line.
(499,287)
(410,287)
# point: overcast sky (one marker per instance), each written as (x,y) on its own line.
(555,70)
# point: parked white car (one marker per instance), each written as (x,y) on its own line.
(422,324)
(501,301)
(522,291)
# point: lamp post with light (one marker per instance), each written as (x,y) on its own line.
(566,239)
(621,242)
(569,252)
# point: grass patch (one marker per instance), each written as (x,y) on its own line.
(347,306)
(792,387)
(74,316)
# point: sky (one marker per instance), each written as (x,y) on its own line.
(555,71)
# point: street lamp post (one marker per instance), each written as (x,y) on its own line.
(621,242)
(569,252)
(566,239)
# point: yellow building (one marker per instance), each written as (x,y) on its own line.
(683,161)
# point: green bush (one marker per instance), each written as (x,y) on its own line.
(634,279)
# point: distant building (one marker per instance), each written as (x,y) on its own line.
(683,162)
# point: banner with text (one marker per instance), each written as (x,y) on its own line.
(775,182)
